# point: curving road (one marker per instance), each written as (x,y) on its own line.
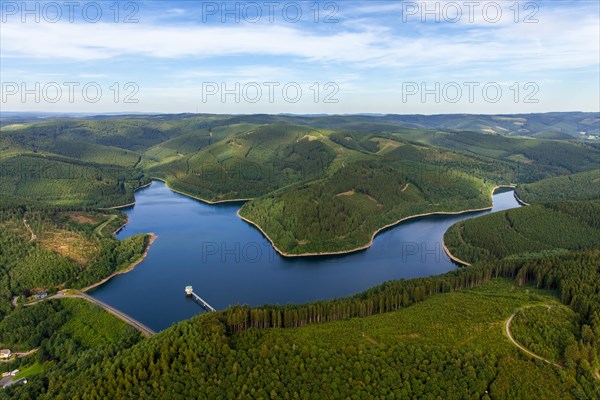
(80,295)
(124,317)
(510,337)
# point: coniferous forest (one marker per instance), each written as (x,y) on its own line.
(317,184)
(300,200)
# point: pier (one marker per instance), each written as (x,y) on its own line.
(189,291)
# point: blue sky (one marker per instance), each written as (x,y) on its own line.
(358,57)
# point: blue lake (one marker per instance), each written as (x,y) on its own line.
(228,261)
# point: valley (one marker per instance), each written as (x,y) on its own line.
(320,241)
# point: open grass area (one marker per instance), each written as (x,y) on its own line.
(35,369)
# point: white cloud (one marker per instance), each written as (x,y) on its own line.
(369,56)
(555,42)
(103,41)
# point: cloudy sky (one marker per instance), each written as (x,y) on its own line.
(301,57)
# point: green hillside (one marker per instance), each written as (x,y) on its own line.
(558,125)
(536,159)
(130,133)
(59,329)
(49,249)
(321,184)
(98,161)
(426,338)
(580,186)
(550,227)
(67,182)
(250,163)
(341,212)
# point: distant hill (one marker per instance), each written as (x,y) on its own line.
(552,125)
(559,125)
(319,183)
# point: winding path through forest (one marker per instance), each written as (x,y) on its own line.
(101,227)
(33,235)
(510,337)
(595,373)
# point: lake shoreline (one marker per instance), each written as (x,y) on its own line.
(453,257)
(200,198)
(130,268)
(366,246)
(128,204)
(463,262)
(519,199)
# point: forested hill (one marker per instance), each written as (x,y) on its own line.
(99,161)
(543,228)
(50,249)
(554,125)
(580,186)
(431,337)
(319,183)
(329,183)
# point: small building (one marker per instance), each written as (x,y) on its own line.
(188,290)
(5,354)
(21,381)
(41,296)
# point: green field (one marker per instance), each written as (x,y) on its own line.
(30,371)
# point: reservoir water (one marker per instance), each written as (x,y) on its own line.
(228,261)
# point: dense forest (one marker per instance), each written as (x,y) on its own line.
(309,164)
(402,352)
(319,184)
(59,330)
(534,159)
(548,330)
(542,228)
(53,248)
(580,186)
(249,163)
(343,212)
